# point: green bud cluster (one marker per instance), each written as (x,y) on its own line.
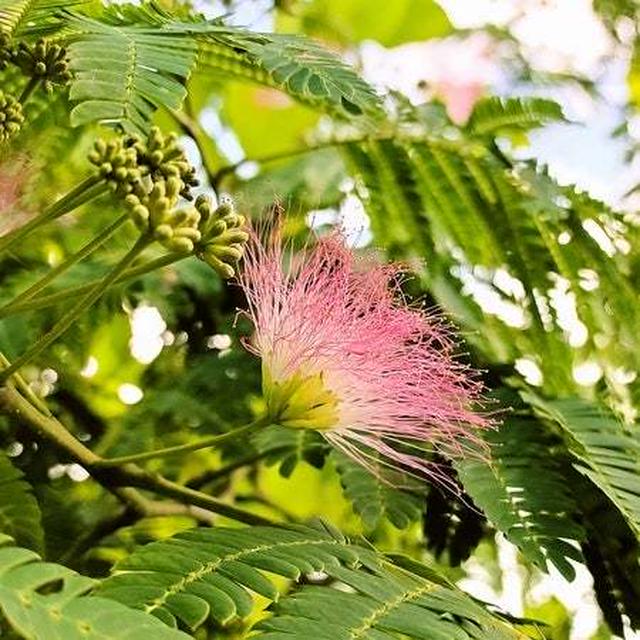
(116,164)
(222,236)
(152,175)
(161,158)
(155,213)
(5,50)
(43,60)
(11,117)
(131,162)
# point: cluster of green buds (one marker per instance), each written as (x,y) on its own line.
(11,116)
(223,236)
(152,174)
(5,50)
(117,165)
(133,162)
(160,157)
(44,61)
(155,214)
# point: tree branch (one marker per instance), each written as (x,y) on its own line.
(117,480)
(204,443)
(41,302)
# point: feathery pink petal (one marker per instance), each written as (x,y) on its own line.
(390,367)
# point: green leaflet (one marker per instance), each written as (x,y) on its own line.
(211,573)
(31,16)
(383,604)
(604,450)
(287,447)
(20,515)
(138,59)
(46,601)
(496,116)
(294,64)
(124,73)
(524,493)
(465,210)
(373,499)
(127,69)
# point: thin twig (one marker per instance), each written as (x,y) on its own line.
(204,443)
(42,302)
(117,480)
(219,176)
(67,320)
(209,476)
(72,260)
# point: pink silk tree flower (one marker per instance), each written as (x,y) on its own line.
(344,354)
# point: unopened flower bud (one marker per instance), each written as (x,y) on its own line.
(44,60)
(160,157)
(116,164)
(203,206)
(222,242)
(140,216)
(229,254)
(174,186)
(156,157)
(180,245)
(225,208)
(224,270)
(234,221)
(217,228)
(163,232)
(5,49)
(187,232)
(231,236)
(11,117)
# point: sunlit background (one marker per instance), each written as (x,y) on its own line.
(556,37)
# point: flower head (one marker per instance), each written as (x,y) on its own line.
(344,354)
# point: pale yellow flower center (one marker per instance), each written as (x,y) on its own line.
(301,401)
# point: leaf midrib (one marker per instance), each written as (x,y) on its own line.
(385,608)
(211,567)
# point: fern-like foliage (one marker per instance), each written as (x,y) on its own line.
(471,212)
(605,452)
(287,447)
(495,116)
(24,17)
(374,499)
(523,492)
(46,601)
(20,515)
(136,59)
(386,603)
(124,73)
(130,60)
(211,573)
(314,75)
(302,68)
(202,573)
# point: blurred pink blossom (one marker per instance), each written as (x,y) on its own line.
(344,354)
(459,73)
(456,70)
(13,174)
